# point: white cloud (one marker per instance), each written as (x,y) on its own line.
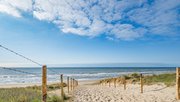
(161,17)
(9,10)
(121,19)
(14,7)
(127,31)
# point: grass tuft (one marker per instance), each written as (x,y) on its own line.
(28,94)
(168,79)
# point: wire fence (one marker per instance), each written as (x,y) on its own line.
(20,55)
(44,88)
(71,83)
(17,70)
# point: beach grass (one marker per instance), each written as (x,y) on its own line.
(28,94)
(19,95)
(168,79)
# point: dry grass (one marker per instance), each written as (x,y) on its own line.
(168,79)
(20,95)
(28,94)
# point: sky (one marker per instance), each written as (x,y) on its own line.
(90,32)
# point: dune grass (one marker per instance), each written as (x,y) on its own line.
(168,79)
(20,95)
(28,94)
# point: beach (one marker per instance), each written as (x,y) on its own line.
(96,93)
(90,91)
(80,73)
(156,88)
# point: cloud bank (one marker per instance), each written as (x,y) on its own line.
(116,19)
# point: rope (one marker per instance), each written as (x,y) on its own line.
(16,70)
(52,71)
(20,55)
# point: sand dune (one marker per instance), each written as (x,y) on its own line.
(152,93)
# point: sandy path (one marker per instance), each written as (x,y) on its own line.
(153,93)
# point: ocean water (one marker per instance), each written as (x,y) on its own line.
(85,73)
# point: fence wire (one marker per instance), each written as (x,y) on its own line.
(20,55)
(17,70)
(51,70)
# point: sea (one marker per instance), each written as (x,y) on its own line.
(34,75)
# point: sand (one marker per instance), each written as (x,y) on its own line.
(88,92)
(152,93)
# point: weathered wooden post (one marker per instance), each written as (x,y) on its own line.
(141,82)
(124,82)
(119,80)
(44,83)
(68,84)
(71,84)
(77,82)
(74,83)
(62,86)
(115,82)
(177,83)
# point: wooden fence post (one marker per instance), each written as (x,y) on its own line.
(74,83)
(141,82)
(77,82)
(44,83)
(124,82)
(119,81)
(71,84)
(178,83)
(62,86)
(115,82)
(68,83)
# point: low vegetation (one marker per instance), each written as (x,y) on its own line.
(28,94)
(20,95)
(168,79)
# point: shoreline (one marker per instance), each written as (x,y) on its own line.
(160,78)
(95,91)
(23,85)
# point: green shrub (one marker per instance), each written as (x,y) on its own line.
(126,77)
(135,75)
(54,98)
(167,79)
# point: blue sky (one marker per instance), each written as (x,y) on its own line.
(63,32)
